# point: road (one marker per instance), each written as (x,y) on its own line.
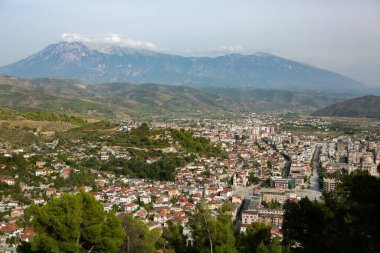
(244,191)
(310,194)
(314,180)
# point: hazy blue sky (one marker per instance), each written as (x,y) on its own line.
(338,35)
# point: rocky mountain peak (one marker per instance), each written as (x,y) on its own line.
(96,63)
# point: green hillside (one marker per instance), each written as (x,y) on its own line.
(48,95)
(7,114)
(363,107)
(144,101)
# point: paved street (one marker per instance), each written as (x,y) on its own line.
(314,178)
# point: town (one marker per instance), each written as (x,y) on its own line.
(260,167)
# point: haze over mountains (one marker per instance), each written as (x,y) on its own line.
(99,63)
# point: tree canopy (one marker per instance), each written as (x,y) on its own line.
(75,223)
(210,233)
(139,239)
(347,220)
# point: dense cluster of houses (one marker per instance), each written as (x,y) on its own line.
(274,166)
(343,155)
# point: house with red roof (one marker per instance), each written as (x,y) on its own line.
(18,212)
(27,234)
(131,207)
(189,207)
(173,192)
(141,213)
(11,230)
(7,180)
(38,201)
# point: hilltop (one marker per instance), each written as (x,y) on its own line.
(364,107)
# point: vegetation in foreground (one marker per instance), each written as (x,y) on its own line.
(346,221)
(74,223)
(77,223)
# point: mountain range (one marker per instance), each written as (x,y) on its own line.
(125,100)
(91,63)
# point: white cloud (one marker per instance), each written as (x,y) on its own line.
(110,38)
(231,49)
(71,37)
(220,50)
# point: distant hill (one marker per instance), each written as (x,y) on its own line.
(91,63)
(125,100)
(365,107)
(48,94)
(111,100)
(276,100)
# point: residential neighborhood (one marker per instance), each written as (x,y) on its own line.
(263,168)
